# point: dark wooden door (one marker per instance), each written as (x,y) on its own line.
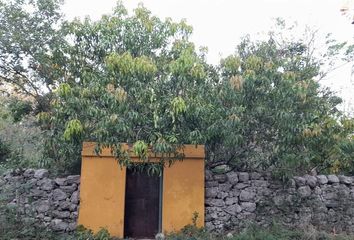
(141,218)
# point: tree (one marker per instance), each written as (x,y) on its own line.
(31,45)
(276,116)
(138,80)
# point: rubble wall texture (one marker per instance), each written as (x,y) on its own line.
(236,199)
(38,198)
(233,200)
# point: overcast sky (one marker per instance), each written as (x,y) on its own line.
(219,24)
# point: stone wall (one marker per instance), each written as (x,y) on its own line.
(40,199)
(236,199)
(233,200)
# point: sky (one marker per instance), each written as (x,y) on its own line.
(220,24)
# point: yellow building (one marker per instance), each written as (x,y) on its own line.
(136,205)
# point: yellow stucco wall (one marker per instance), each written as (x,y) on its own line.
(102,191)
(102,195)
(183,194)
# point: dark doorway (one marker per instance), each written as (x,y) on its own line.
(142,204)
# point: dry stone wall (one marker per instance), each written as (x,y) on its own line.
(40,199)
(235,199)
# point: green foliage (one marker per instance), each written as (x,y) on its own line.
(4,151)
(19,108)
(138,79)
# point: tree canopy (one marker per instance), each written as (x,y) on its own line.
(138,79)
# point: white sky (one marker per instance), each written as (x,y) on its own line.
(219,24)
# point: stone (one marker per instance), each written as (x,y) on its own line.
(304,191)
(345,180)
(43,206)
(248,206)
(260,183)
(61,214)
(28,173)
(37,193)
(64,205)
(332,179)
(247,196)
(46,184)
(41,173)
(75,197)
(322,179)
(69,189)
(241,186)
(225,187)
(211,192)
(160,236)
(211,184)
(72,226)
(243,177)
(60,181)
(214,202)
(311,181)
(229,235)
(233,209)
(59,195)
(300,181)
(231,200)
(208,175)
(255,176)
(221,178)
(73,179)
(59,225)
(232,177)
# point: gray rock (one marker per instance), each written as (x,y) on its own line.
(72,226)
(28,173)
(208,175)
(311,181)
(231,200)
(211,192)
(60,181)
(221,178)
(241,186)
(214,202)
(243,177)
(59,225)
(43,206)
(333,179)
(69,189)
(247,196)
(345,179)
(73,179)
(255,176)
(59,195)
(160,236)
(232,177)
(260,183)
(41,173)
(46,184)
(75,197)
(37,193)
(233,209)
(61,214)
(64,205)
(211,184)
(322,179)
(304,191)
(248,206)
(300,181)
